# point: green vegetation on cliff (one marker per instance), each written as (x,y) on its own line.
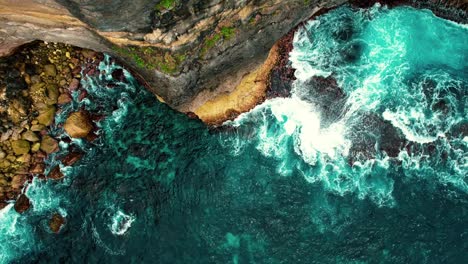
(152,58)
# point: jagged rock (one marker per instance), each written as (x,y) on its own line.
(20,147)
(48,144)
(78,125)
(52,93)
(22,204)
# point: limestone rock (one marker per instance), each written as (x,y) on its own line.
(78,125)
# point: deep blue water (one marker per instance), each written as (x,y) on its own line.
(373,170)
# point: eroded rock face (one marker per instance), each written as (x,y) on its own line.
(186,51)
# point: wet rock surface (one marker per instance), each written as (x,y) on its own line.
(35,83)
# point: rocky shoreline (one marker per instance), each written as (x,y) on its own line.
(277,81)
(35,83)
(39,78)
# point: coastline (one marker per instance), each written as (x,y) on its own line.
(275,76)
(38,81)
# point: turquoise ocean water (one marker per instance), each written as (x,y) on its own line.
(370,170)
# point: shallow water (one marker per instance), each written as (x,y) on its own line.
(375,172)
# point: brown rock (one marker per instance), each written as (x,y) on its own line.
(49,144)
(37,168)
(64,99)
(78,125)
(71,158)
(74,84)
(17,182)
(52,93)
(56,222)
(55,174)
(22,204)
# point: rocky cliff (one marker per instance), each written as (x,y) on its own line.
(187,51)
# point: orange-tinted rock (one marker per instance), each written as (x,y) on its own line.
(78,125)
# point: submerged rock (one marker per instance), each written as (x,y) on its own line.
(78,125)
(56,222)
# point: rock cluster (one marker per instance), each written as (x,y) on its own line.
(34,83)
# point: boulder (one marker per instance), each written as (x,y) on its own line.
(50,70)
(49,144)
(78,125)
(22,204)
(37,127)
(30,136)
(64,99)
(71,158)
(56,222)
(17,182)
(55,174)
(46,116)
(20,147)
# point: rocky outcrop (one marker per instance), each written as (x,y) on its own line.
(186,52)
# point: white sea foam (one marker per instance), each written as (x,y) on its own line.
(121,223)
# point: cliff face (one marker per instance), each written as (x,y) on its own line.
(188,51)
(184,50)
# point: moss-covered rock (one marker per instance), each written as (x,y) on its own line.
(20,147)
